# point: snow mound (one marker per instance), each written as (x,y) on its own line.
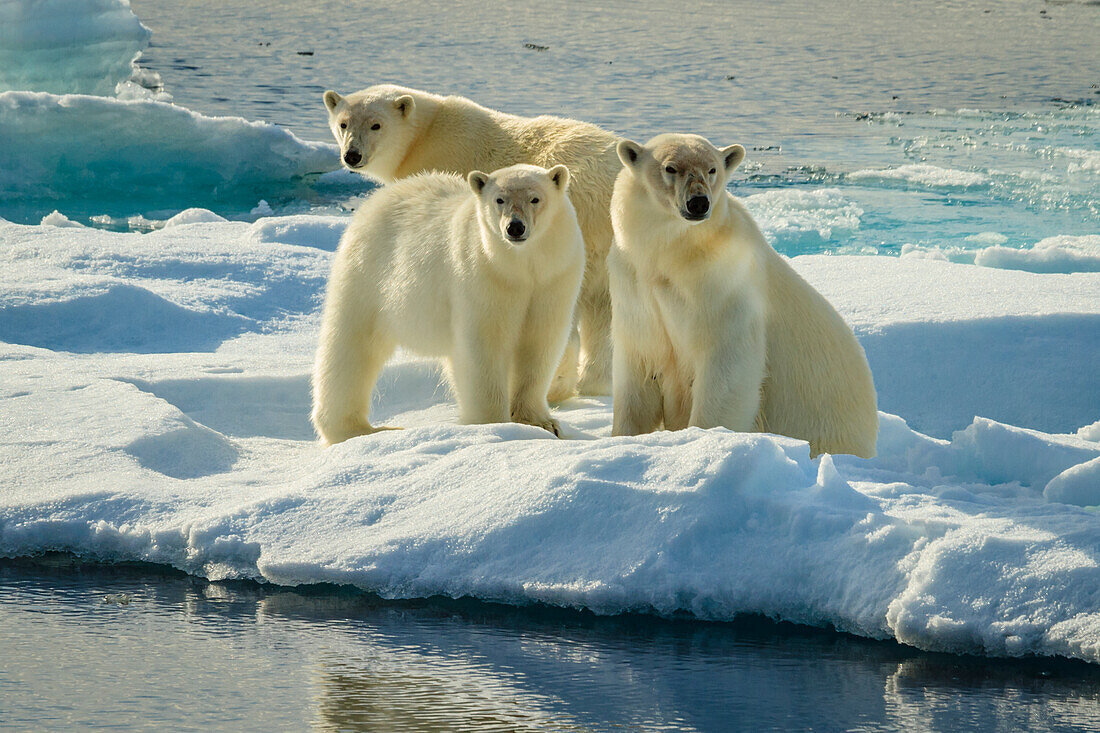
(1054,254)
(57,219)
(201,457)
(303,230)
(1079,484)
(108,155)
(1063,253)
(922,174)
(121,318)
(193,216)
(69,46)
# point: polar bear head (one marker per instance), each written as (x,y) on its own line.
(683,174)
(514,202)
(376,126)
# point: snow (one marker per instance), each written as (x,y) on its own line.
(71,46)
(84,150)
(56,219)
(1061,253)
(193,216)
(154,399)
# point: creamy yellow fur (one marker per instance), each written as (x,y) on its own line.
(432,264)
(711,326)
(419,131)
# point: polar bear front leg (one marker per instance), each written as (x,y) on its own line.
(638,405)
(479,368)
(542,338)
(726,391)
(564,384)
(595,337)
(350,356)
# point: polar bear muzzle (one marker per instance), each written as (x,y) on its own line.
(516,231)
(352,157)
(697,208)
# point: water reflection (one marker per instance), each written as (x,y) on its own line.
(342,660)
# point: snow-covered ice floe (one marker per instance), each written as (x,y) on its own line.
(92,152)
(154,401)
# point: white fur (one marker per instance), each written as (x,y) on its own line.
(711,326)
(426,264)
(419,131)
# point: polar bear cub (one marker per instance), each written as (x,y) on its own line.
(710,326)
(484,271)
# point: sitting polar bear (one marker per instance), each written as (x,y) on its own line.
(488,278)
(711,327)
(390,132)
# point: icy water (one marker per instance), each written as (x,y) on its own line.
(88,647)
(870,127)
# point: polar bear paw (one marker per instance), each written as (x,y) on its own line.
(543,421)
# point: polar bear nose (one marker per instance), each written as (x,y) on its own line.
(515,229)
(352,157)
(698,206)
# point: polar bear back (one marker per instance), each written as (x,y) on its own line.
(818,385)
(397,235)
(463,136)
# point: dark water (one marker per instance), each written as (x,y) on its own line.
(124,647)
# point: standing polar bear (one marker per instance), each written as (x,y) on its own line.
(711,326)
(390,132)
(487,277)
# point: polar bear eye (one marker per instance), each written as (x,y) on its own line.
(713,171)
(376,126)
(343,125)
(670,169)
(500,201)
(534,201)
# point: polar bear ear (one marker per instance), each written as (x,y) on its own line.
(559,175)
(332,99)
(733,155)
(477,181)
(629,152)
(404,104)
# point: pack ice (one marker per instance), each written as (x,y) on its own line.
(154,406)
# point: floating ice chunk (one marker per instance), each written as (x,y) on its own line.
(791,216)
(1081,160)
(1058,254)
(922,174)
(193,216)
(1078,485)
(118,157)
(1090,432)
(70,46)
(262,209)
(987,238)
(57,219)
(1062,253)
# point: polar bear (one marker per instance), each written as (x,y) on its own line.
(484,271)
(711,326)
(389,132)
